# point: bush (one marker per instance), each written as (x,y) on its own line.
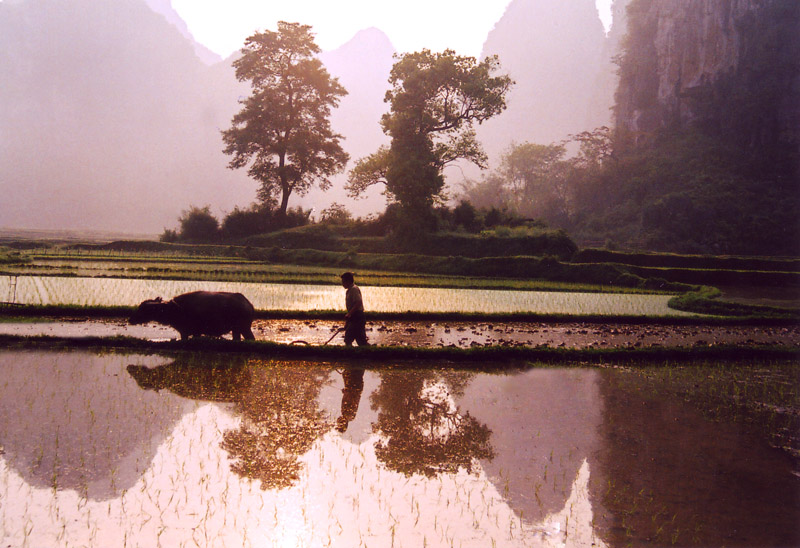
(198,225)
(335,214)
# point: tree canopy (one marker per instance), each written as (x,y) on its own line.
(435,100)
(283,130)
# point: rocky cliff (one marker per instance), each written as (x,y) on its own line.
(732,64)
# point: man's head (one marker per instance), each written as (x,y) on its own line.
(347,279)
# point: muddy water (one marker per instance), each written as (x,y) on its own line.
(39,290)
(448,334)
(184,450)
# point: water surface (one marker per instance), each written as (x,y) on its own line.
(44,290)
(113,449)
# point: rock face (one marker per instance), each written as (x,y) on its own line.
(556,54)
(681,56)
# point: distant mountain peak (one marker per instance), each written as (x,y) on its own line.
(371,38)
(165,9)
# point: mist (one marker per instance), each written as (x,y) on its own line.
(110,114)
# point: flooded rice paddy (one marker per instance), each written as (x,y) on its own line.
(45,290)
(115,449)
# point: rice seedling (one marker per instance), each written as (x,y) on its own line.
(83,291)
(135,449)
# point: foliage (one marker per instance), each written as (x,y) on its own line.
(435,100)
(540,181)
(722,174)
(242,223)
(336,213)
(9,256)
(283,130)
(315,236)
(536,177)
(198,225)
(689,192)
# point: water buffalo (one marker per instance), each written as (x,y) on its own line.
(211,313)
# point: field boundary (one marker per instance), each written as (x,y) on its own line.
(491,358)
(71,313)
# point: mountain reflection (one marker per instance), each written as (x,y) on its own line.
(67,422)
(420,429)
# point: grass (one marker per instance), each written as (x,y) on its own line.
(705,300)
(314,266)
(223,269)
(54,312)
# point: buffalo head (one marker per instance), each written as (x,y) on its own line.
(151,310)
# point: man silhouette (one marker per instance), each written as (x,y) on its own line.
(355,321)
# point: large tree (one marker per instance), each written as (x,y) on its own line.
(283,130)
(435,100)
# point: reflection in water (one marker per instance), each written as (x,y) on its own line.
(353,378)
(669,476)
(278,407)
(536,458)
(544,425)
(420,429)
(70,421)
(280,421)
(196,376)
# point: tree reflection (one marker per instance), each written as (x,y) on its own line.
(197,376)
(280,422)
(278,407)
(420,427)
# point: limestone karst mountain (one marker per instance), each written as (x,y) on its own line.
(164,7)
(108,120)
(556,52)
(712,60)
(362,66)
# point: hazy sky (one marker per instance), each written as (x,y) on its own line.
(222,25)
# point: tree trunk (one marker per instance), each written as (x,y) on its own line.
(284,201)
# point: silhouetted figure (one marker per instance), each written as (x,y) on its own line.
(351,395)
(355,321)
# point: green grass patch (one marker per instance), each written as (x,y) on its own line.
(705,300)
(697,262)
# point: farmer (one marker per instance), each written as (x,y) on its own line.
(355,322)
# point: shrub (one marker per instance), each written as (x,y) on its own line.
(198,225)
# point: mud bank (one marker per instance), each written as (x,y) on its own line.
(422,334)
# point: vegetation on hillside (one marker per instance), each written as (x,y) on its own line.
(726,183)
